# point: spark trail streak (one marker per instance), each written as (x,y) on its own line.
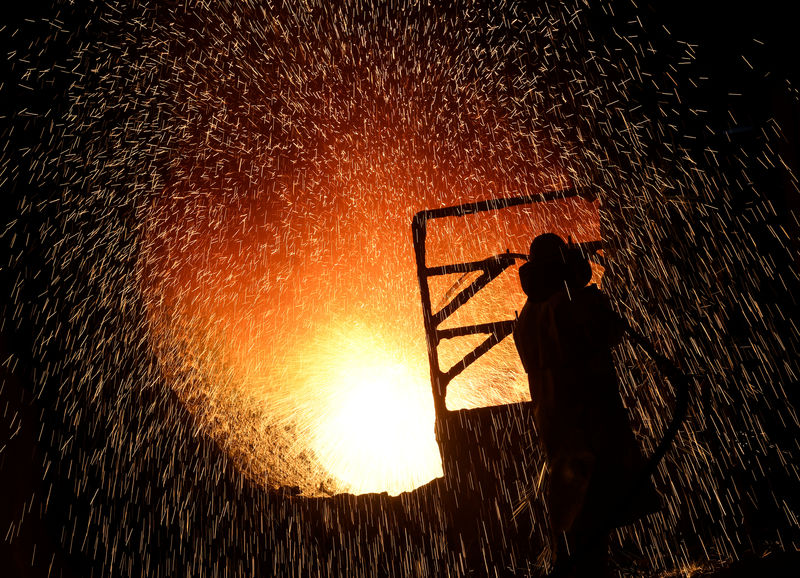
(209,248)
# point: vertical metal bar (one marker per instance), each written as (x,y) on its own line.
(419,230)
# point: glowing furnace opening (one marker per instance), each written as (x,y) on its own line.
(376,432)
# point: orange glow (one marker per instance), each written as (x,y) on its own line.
(275,258)
(298,344)
(375,434)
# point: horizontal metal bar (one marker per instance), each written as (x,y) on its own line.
(473,356)
(492,205)
(497,327)
(503,260)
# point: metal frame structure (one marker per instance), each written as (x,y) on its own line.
(447,433)
(489,269)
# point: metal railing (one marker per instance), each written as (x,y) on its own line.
(489,269)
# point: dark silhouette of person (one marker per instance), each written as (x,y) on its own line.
(564,336)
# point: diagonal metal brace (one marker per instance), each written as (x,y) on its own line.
(491,268)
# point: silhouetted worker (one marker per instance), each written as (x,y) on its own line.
(564,336)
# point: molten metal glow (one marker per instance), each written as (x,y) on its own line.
(376,434)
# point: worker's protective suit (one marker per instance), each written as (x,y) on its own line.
(564,336)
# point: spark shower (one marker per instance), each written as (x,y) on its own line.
(207,247)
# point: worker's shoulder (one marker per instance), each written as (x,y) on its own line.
(585,296)
(592,294)
(584,303)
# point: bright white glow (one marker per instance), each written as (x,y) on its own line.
(377,431)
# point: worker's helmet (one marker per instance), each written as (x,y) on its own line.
(547,249)
(552,263)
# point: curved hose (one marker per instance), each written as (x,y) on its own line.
(680,382)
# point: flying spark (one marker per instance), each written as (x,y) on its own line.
(209,250)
